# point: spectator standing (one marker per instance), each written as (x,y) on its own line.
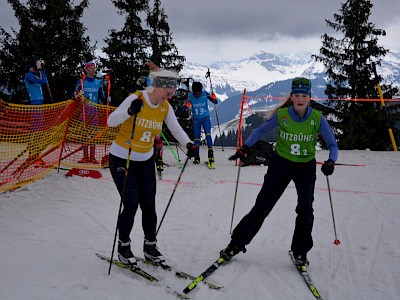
(34,79)
(89,89)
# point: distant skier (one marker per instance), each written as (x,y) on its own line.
(198,101)
(294,160)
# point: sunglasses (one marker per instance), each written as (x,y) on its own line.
(301,80)
(165,82)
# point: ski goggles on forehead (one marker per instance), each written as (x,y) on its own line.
(301,81)
(165,82)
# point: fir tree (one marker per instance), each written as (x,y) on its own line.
(161,38)
(50,30)
(348,62)
(126,48)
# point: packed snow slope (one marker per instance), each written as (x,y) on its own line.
(50,230)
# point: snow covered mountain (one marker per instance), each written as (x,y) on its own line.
(265,74)
(230,78)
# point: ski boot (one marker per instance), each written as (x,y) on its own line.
(92,159)
(160,165)
(160,168)
(231,250)
(85,159)
(196,160)
(210,163)
(301,262)
(125,254)
(151,252)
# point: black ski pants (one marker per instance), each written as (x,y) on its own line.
(280,172)
(138,190)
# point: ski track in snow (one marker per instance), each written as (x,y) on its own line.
(50,230)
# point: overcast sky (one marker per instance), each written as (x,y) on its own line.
(213,30)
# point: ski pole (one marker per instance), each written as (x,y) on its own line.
(215,107)
(336,241)
(234,199)
(172,151)
(123,190)
(48,89)
(348,165)
(106,157)
(177,152)
(389,126)
(108,78)
(173,192)
(80,94)
(177,144)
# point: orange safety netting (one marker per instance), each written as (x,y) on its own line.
(34,139)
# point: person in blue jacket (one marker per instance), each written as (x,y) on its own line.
(294,159)
(89,88)
(198,101)
(34,79)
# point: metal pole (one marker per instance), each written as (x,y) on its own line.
(336,241)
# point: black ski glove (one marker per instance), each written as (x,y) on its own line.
(328,167)
(192,150)
(135,107)
(241,153)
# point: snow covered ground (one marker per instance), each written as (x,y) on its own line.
(50,230)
